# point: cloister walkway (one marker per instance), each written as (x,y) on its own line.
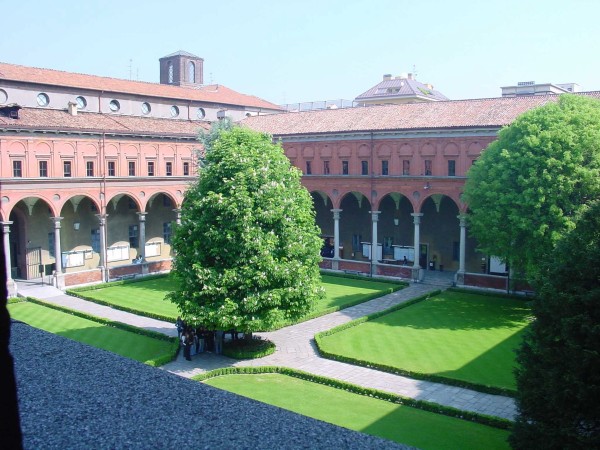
(296,349)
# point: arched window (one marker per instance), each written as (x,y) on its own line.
(170,72)
(191,72)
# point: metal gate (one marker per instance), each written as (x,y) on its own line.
(33,259)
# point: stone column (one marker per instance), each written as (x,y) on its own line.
(11,285)
(102,230)
(177,211)
(460,276)
(336,233)
(374,239)
(417,273)
(142,237)
(59,278)
(57,249)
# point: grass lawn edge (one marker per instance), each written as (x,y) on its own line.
(482,419)
(396,370)
(78,292)
(120,325)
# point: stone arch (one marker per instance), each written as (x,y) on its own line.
(323,215)
(30,238)
(159,219)
(440,231)
(355,223)
(122,228)
(395,224)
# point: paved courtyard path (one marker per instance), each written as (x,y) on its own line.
(296,349)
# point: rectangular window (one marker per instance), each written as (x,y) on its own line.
(364,167)
(344,167)
(308,168)
(167,232)
(384,167)
(186,169)
(326,167)
(89,168)
(131,167)
(51,244)
(112,171)
(427,167)
(17,169)
(67,168)
(43,168)
(150,168)
(451,168)
(169,169)
(133,236)
(96,240)
(406,167)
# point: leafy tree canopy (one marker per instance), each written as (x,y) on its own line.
(527,187)
(247,249)
(559,362)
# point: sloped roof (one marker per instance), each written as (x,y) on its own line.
(485,112)
(181,53)
(38,119)
(401,87)
(216,93)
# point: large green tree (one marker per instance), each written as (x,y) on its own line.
(247,250)
(559,362)
(527,187)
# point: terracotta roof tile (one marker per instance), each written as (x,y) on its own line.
(217,93)
(486,112)
(39,119)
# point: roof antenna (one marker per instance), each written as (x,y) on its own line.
(130,67)
(414,71)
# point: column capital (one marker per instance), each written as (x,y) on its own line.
(336,213)
(375,215)
(102,218)
(462,220)
(56,221)
(6,226)
(142,216)
(417,218)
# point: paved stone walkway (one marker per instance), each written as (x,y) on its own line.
(296,349)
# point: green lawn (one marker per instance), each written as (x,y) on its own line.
(148,296)
(403,424)
(456,335)
(125,343)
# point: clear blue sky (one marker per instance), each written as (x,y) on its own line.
(302,50)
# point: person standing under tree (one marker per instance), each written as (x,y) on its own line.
(186,340)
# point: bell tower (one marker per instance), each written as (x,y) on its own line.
(182,69)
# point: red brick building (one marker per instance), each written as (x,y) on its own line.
(93,172)
(95,169)
(393,175)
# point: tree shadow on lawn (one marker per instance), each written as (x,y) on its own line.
(460,313)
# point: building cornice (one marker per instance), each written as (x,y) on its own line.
(390,134)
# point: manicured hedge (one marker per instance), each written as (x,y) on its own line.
(381,395)
(267,348)
(123,326)
(396,370)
